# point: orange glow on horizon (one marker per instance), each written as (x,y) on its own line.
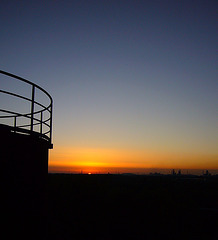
(95,160)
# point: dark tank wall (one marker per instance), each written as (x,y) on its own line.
(24,164)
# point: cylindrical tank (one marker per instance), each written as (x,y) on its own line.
(24,171)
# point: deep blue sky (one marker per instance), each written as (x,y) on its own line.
(123,74)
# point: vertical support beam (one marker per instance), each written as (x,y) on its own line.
(32,107)
(51,120)
(15,123)
(41,122)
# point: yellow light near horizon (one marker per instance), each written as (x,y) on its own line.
(88,157)
(85,158)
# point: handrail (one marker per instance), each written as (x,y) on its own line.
(28,99)
(32,115)
(26,81)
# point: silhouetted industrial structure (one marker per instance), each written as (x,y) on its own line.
(25,140)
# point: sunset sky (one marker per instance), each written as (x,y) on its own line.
(134,83)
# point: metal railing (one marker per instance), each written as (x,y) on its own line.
(32,116)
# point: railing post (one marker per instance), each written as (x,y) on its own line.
(41,122)
(51,121)
(32,107)
(15,123)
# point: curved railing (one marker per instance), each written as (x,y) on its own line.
(33,118)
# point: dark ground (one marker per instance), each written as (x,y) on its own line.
(132,207)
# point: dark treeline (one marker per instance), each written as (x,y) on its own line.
(132,207)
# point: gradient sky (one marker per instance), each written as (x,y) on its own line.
(134,83)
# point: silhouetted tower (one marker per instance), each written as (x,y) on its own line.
(207,173)
(25,140)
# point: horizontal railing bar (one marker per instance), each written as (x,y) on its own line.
(46,120)
(21,130)
(19,114)
(14,94)
(45,108)
(47,132)
(26,81)
(6,111)
(34,124)
(39,111)
(27,125)
(28,99)
(46,124)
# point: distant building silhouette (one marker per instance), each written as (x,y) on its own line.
(173,172)
(206,173)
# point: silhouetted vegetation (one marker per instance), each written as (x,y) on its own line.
(132,207)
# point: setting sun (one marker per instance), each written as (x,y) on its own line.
(102,160)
